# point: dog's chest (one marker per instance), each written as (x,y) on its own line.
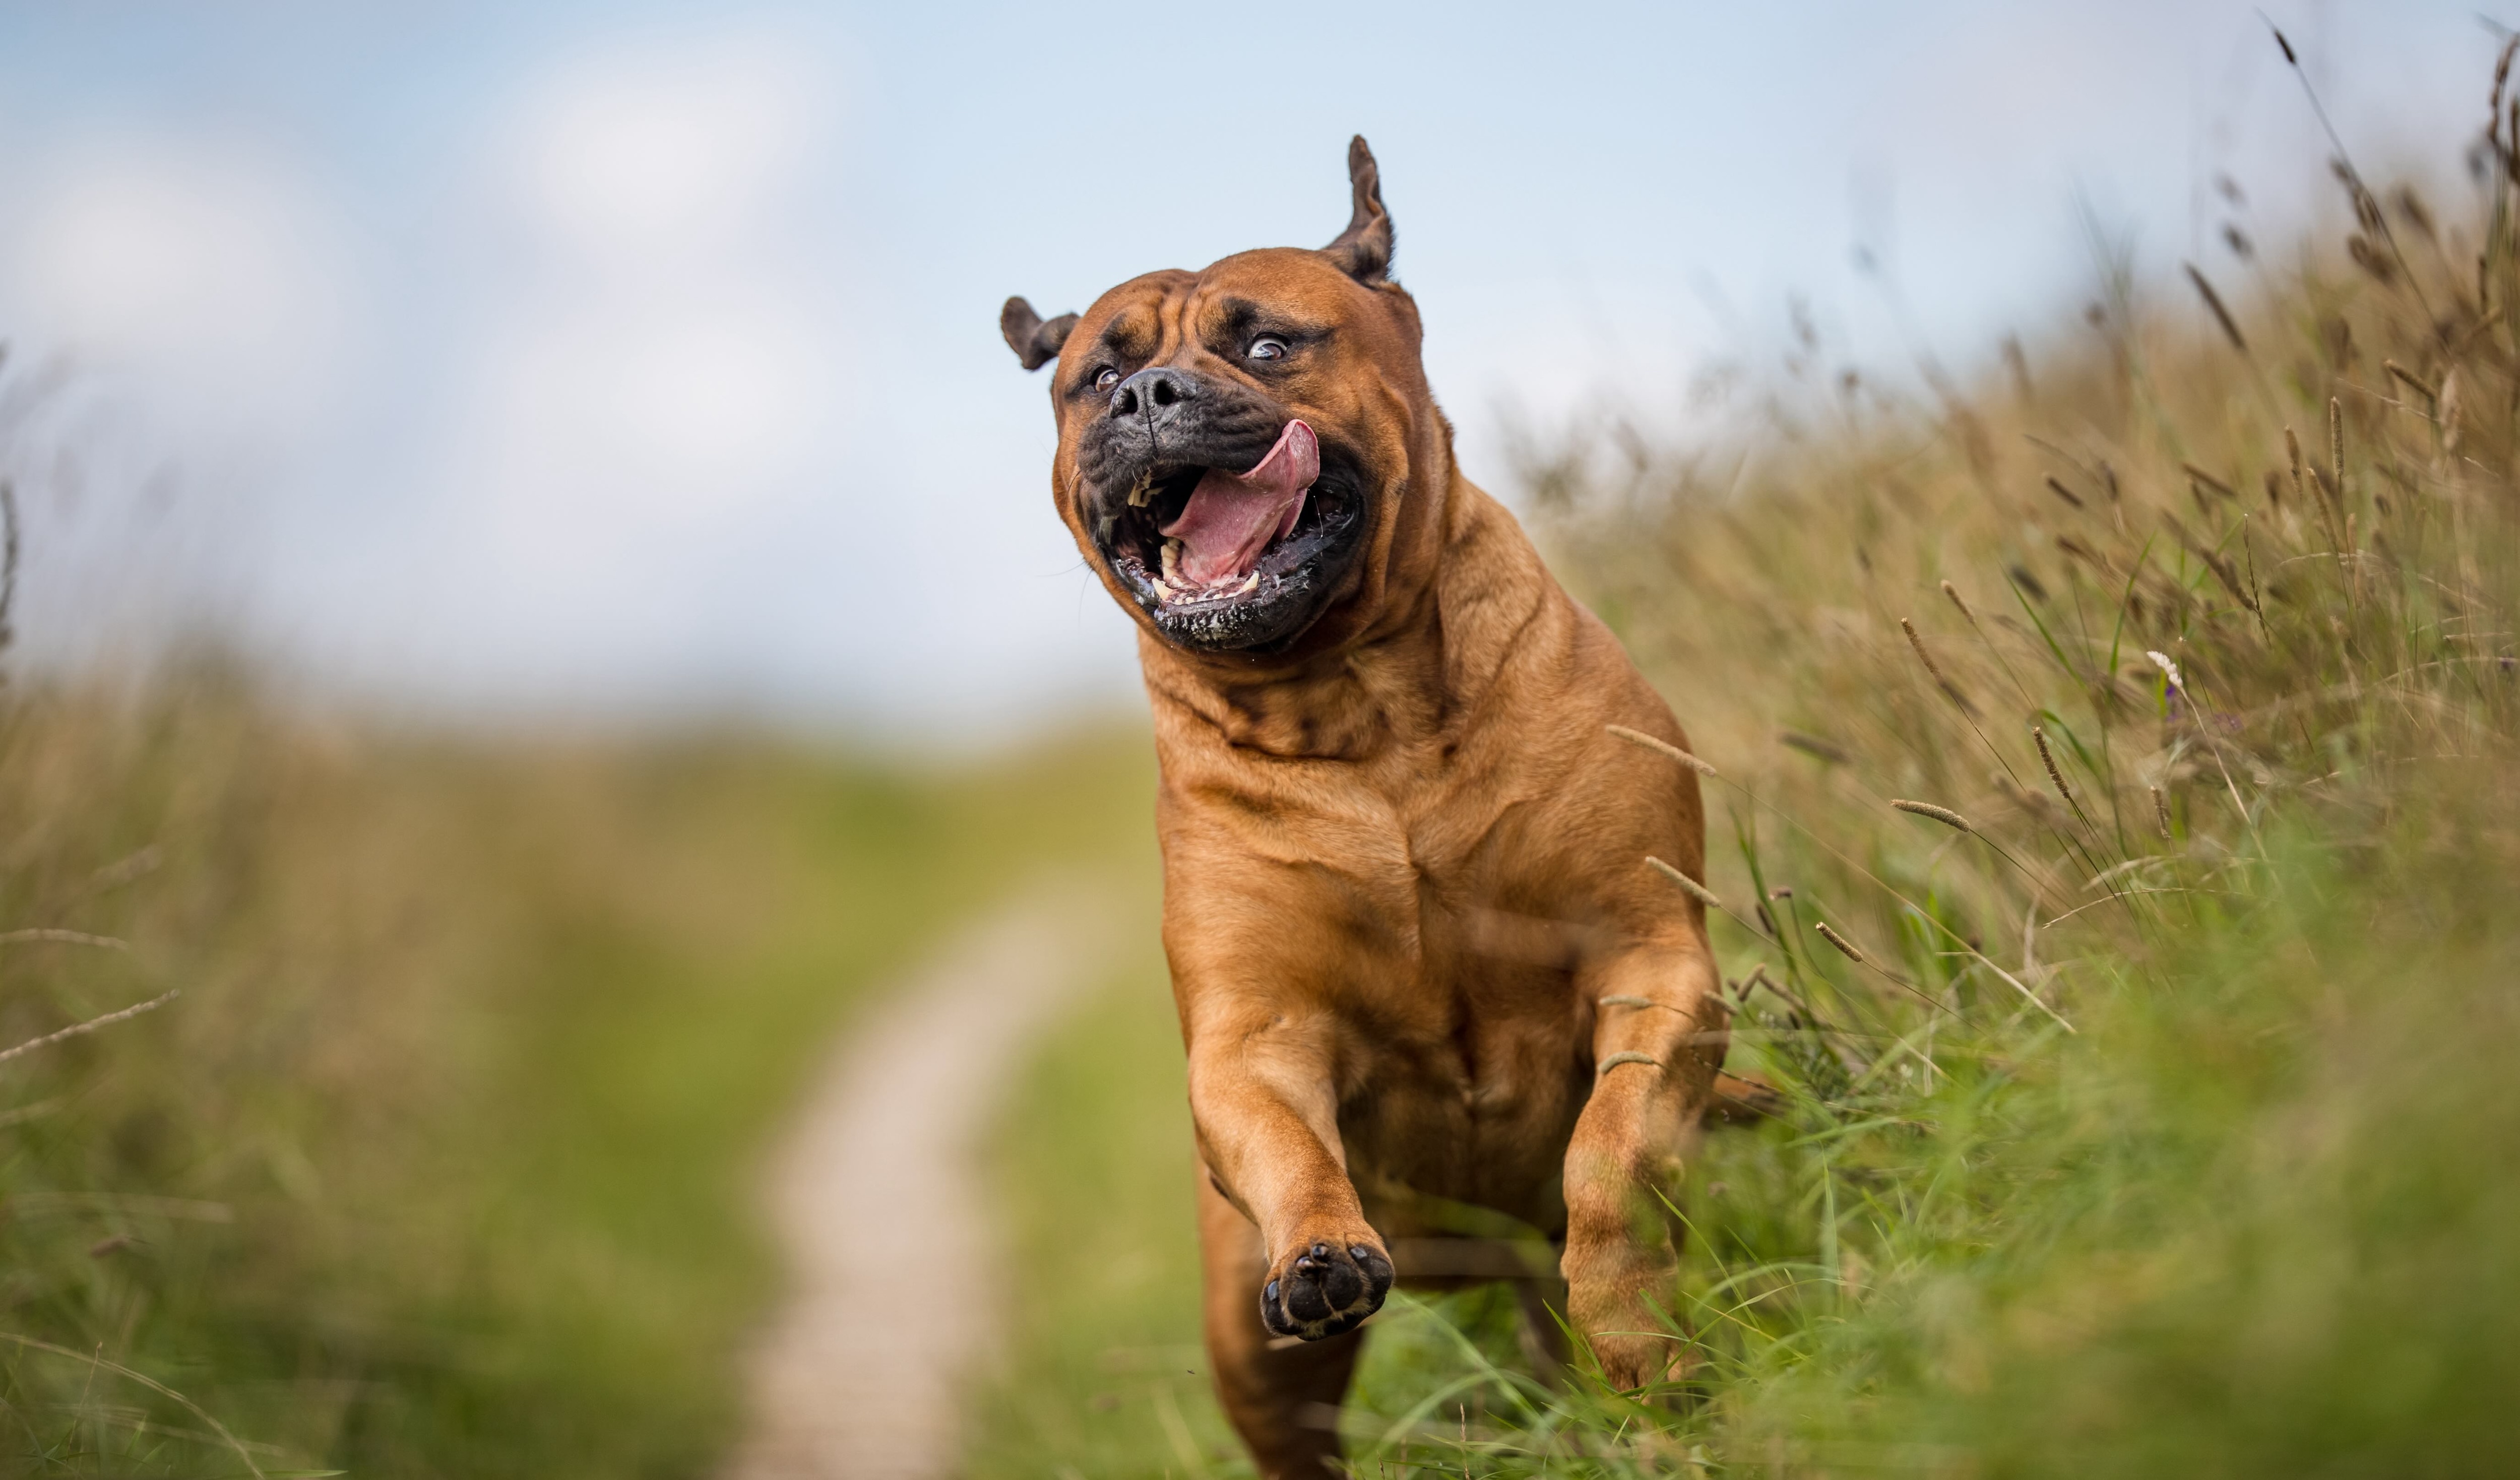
(1473,1045)
(1472,1065)
(1419,901)
(1470,1092)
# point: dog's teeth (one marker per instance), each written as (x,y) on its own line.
(1249,582)
(1140,494)
(1172,560)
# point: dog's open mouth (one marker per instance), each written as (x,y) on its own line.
(1229,560)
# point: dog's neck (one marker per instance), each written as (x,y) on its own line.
(1413,678)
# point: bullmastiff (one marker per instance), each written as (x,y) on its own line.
(1431,994)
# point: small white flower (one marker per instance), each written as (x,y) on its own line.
(2162,661)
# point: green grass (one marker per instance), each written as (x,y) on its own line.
(1106,1377)
(2257,1211)
(444,1162)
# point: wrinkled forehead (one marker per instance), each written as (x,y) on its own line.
(1134,317)
(1275,288)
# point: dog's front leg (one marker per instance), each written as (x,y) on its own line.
(1657,1040)
(1263,1096)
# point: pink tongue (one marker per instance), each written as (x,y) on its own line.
(1231,517)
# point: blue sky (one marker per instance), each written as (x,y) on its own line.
(565,360)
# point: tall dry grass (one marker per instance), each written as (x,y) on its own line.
(2117,831)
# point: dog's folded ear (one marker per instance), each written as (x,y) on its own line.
(1364,251)
(1034,343)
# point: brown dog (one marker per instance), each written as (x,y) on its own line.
(1427,984)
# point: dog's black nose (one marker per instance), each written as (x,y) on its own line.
(1155,392)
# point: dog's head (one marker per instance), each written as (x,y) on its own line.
(1249,455)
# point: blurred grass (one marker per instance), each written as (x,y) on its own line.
(1106,1377)
(2253,1212)
(444,1162)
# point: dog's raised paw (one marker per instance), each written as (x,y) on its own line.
(1326,1290)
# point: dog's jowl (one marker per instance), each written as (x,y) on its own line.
(1430,989)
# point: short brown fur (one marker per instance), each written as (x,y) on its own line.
(1404,860)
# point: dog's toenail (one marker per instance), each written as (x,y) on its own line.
(1320,1251)
(1270,1293)
(1359,1252)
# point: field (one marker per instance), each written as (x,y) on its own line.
(2139,722)
(2114,765)
(444,1162)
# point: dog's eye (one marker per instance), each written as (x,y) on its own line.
(1108,378)
(1268,348)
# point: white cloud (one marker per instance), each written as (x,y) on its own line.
(214,273)
(654,373)
(636,156)
(204,292)
(721,390)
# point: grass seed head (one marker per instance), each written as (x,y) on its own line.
(1944,815)
(2035,803)
(2056,775)
(2214,301)
(1687,886)
(2371,259)
(2336,444)
(1951,690)
(2411,381)
(1813,747)
(2411,208)
(1663,748)
(2196,474)
(1840,941)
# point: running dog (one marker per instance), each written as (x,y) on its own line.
(1428,985)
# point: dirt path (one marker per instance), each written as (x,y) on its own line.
(879,1204)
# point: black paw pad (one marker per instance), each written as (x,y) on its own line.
(1325,1290)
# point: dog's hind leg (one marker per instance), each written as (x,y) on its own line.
(1540,1334)
(1655,1050)
(1282,1394)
